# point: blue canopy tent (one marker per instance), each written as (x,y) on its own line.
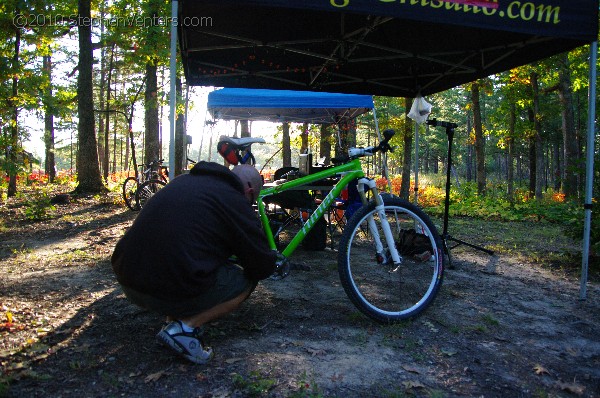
(399,48)
(281,106)
(286,106)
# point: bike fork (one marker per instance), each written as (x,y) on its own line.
(382,256)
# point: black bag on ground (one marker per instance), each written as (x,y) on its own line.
(316,239)
(411,243)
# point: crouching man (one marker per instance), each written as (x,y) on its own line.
(175,258)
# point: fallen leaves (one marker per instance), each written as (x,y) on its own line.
(540,370)
(155,376)
(410,384)
(316,352)
(573,388)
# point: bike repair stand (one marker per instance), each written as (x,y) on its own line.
(445,235)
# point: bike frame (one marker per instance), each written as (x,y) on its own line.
(349,171)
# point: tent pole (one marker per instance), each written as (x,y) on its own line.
(416,163)
(172,90)
(589,169)
(385,169)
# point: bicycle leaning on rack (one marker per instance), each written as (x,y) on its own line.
(381,270)
(151,178)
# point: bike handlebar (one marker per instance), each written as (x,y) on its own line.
(354,153)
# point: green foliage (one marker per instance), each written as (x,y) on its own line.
(255,385)
(574,229)
(465,201)
(38,205)
(307,388)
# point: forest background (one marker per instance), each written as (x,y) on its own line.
(100,88)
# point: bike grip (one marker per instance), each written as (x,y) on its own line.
(352,152)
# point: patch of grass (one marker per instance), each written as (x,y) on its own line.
(356,317)
(255,385)
(362,338)
(415,349)
(74,256)
(394,393)
(6,380)
(3,227)
(489,319)
(21,250)
(109,379)
(307,388)
(4,385)
(393,335)
(436,394)
(76,218)
(454,329)
(479,328)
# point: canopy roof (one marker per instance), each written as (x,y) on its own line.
(286,105)
(395,47)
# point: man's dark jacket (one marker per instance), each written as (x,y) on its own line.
(188,229)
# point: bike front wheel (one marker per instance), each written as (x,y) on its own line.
(147,190)
(129,189)
(380,289)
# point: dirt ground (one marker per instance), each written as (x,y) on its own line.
(502,326)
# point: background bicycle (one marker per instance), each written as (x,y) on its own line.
(151,177)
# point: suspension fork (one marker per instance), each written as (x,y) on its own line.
(382,256)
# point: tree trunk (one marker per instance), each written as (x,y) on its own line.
(286,151)
(511,148)
(151,141)
(304,139)
(50,162)
(244,129)
(539,150)
(325,144)
(114,163)
(101,100)
(406,158)
(14,129)
(469,157)
(532,159)
(351,135)
(88,170)
(179,131)
(557,174)
(479,141)
(571,153)
(106,115)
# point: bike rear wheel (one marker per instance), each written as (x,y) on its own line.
(147,190)
(382,290)
(130,186)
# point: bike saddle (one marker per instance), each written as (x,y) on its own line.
(242,142)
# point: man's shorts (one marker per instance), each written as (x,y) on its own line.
(230,283)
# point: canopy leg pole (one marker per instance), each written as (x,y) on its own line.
(416,189)
(589,170)
(173,90)
(386,175)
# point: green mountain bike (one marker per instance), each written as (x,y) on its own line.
(391,257)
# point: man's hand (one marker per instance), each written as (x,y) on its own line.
(282,268)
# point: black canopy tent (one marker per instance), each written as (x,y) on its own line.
(399,48)
(393,48)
